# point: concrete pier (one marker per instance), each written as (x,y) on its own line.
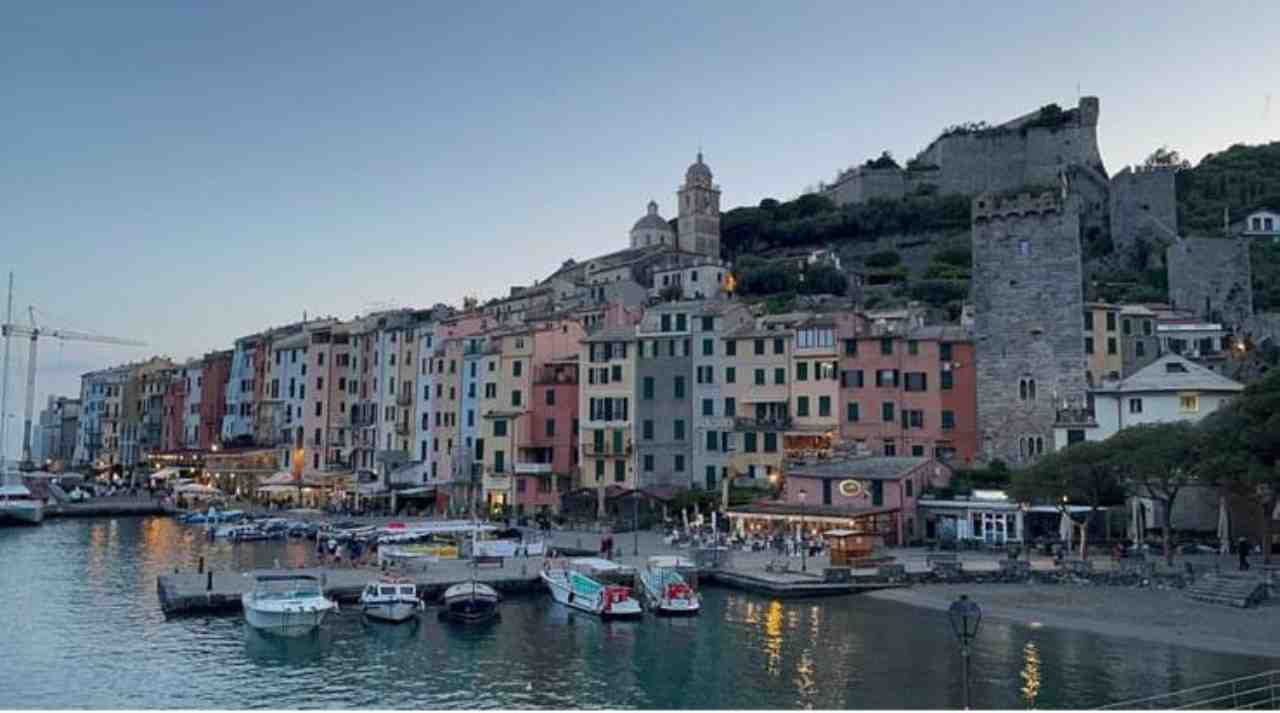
(108,507)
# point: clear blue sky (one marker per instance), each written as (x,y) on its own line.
(189,172)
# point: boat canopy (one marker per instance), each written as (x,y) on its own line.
(15,491)
(669,561)
(596,563)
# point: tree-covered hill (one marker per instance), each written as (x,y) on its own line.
(1241,179)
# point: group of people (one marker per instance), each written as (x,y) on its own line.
(353,552)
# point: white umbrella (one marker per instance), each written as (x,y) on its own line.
(713,520)
(1064,529)
(684,512)
(1135,524)
(1224,526)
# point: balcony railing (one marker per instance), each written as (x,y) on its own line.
(551,375)
(768,423)
(403,428)
(404,398)
(1075,417)
(533,468)
(591,449)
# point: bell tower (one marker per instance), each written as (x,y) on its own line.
(699,218)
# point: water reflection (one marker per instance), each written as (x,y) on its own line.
(1030,674)
(297,650)
(773,637)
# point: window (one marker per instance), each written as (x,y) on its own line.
(1088,345)
(1024,248)
(499,427)
(647,388)
(851,347)
(679,387)
(749,442)
(551,397)
(802,371)
(730,375)
(499,461)
(708,347)
(708,407)
(711,440)
(619,471)
(944,351)
(1126,326)
(1135,405)
(948,420)
(779,345)
(851,379)
(916,381)
(947,380)
(318,408)
(599,470)
(1111,345)
(730,347)
(912,418)
(515,397)
(890,449)
(679,464)
(666,322)
(1027,389)
(770,442)
(802,406)
(730,407)
(677,429)
(617,442)
(648,463)
(886,377)
(1111,321)
(851,412)
(1189,403)
(708,323)
(682,323)
(913,347)
(1139,348)
(780,376)
(886,411)
(759,345)
(648,429)
(615,372)
(1146,327)
(551,428)
(759,377)
(824,406)
(886,346)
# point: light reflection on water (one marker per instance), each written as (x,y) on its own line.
(83,629)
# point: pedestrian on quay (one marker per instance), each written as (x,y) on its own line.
(1243,548)
(320,549)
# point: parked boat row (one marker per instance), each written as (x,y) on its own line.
(591,584)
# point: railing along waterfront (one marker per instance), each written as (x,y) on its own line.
(1260,691)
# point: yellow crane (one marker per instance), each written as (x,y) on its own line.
(34,333)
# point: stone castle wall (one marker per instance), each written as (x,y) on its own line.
(1213,278)
(1029,304)
(1144,208)
(863,184)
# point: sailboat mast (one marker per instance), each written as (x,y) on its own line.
(4,387)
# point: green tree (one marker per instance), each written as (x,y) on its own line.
(1243,449)
(1081,473)
(1165,157)
(1158,460)
(883,259)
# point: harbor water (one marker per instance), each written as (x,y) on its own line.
(82,627)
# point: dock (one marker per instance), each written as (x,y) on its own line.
(108,507)
(786,586)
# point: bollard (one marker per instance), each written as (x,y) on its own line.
(208,585)
(200,567)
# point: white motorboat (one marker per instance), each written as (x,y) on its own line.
(388,598)
(18,506)
(286,604)
(577,583)
(665,590)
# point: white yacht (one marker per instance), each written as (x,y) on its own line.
(389,598)
(286,604)
(18,506)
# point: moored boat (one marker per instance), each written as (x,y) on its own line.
(18,506)
(286,604)
(389,598)
(665,590)
(578,583)
(470,603)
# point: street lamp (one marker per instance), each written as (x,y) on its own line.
(804,551)
(966,619)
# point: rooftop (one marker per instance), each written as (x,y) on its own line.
(1171,373)
(866,468)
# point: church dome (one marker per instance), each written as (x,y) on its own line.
(651,220)
(698,172)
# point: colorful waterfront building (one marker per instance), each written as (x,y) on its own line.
(605,407)
(215,373)
(238,423)
(761,392)
(547,459)
(714,405)
(662,396)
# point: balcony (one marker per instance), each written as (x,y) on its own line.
(768,423)
(404,398)
(533,468)
(403,428)
(1078,417)
(551,375)
(358,420)
(607,450)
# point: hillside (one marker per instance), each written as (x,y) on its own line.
(917,247)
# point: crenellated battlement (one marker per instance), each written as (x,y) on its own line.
(990,206)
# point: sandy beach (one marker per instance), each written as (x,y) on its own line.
(1154,615)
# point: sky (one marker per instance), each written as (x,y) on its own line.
(187,173)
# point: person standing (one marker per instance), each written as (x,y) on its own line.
(1243,548)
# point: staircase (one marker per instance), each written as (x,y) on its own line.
(1236,590)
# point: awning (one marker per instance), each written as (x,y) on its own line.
(283,477)
(166,473)
(424,490)
(197,489)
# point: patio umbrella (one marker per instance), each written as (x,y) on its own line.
(1224,525)
(684,512)
(1135,522)
(1064,529)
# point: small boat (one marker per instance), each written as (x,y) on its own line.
(246,533)
(470,603)
(286,604)
(577,583)
(17,505)
(665,590)
(393,599)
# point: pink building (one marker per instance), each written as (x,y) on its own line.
(175,409)
(215,372)
(548,453)
(875,495)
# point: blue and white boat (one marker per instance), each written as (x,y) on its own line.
(578,583)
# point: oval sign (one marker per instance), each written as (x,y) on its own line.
(852,488)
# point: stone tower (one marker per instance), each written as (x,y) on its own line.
(699,220)
(1029,322)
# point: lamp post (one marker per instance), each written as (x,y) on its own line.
(804,551)
(635,524)
(966,619)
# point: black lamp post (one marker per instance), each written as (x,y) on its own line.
(966,619)
(804,551)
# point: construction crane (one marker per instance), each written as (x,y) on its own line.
(34,333)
